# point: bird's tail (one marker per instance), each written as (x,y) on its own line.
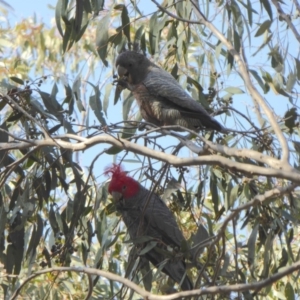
(176,269)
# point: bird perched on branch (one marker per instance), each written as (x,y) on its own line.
(145,214)
(162,101)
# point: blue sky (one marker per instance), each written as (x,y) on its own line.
(25,9)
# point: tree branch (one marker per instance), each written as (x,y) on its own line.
(285,171)
(297,6)
(147,295)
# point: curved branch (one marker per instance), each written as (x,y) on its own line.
(147,295)
(285,172)
(89,271)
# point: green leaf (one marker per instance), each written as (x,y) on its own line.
(153,33)
(147,274)
(263,27)
(78,16)
(289,291)
(291,117)
(251,245)
(127,103)
(225,265)
(102,38)
(4,137)
(67,38)
(236,40)
(69,95)
(17,80)
(266,256)
(35,236)
(148,247)
(234,90)
(97,6)
(118,92)
(53,221)
(126,23)
(267,7)
(284,259)
(233,196)
(292,77)
(265,43)
(106,98)
(195,83)
(258,79)
(38,107)
(60,9)
(50,102)
(249,11)
(214,193)
(197,238)
(138,34)
(77,93)
(297,61)
(96,105)
(113,150)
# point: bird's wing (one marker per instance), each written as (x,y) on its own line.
(162,84)
(163,87)
(162,223)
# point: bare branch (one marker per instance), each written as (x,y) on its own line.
(282,172)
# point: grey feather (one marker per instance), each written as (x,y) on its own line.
(147,215)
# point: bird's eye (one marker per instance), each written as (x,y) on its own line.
(130,65)
(124,188)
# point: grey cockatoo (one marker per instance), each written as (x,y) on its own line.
(145,214)
(161,99)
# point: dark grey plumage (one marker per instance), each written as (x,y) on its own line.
(157,222)
(145,214)
(162,101)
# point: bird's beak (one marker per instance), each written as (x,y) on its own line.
(116,196)
(122,71)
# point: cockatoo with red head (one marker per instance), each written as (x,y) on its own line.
(145,214)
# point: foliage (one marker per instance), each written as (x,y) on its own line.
(235,195)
